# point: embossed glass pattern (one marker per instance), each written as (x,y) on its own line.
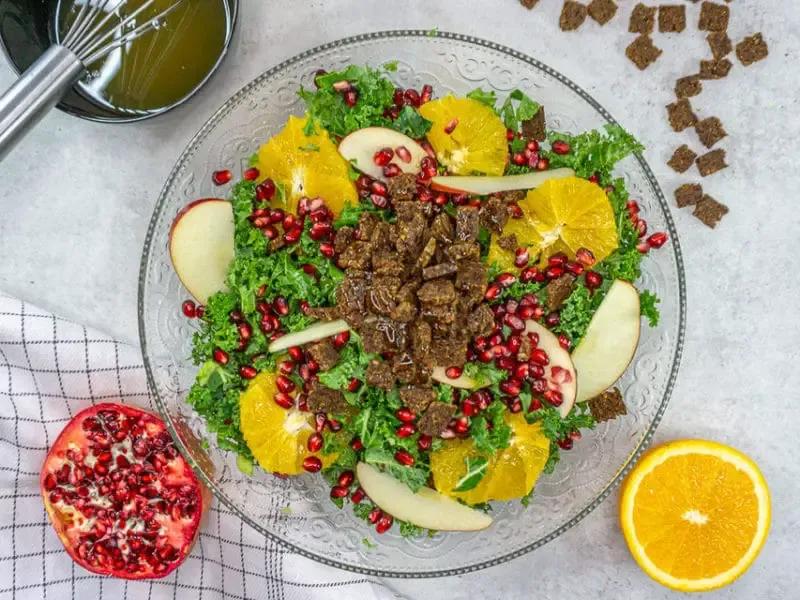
(298,512)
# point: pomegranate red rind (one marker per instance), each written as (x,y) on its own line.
(122,499)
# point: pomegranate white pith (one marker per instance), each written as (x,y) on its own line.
(122,499)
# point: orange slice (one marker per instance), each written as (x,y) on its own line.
(276,436)
(307,165)
(468,136)
(562,215)
(511,472)
(695,514)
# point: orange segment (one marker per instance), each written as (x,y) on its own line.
(563,215)
(511,473)
(695,514)
(276,436)
(478,142)
(307,165)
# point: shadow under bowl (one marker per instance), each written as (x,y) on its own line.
(26,31)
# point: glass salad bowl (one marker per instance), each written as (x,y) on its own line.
(297,512)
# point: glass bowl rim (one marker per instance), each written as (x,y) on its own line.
(239,96)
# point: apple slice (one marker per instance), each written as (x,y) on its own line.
(462,381)
(359,148)
(610,341)
(426,508)
(560,371)
(312,333)
(481,186)
(201,246)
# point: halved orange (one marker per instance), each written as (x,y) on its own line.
(562,215)
(511,472)
(277,437)
(695,514)
(307,165)
(468,136)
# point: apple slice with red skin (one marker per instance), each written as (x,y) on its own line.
(485,185)
(201,246)
(424,508)
(610,341)
(560,370)
(359,149)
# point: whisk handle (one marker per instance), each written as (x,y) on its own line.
(36,91)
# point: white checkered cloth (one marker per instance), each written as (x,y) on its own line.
(50,369)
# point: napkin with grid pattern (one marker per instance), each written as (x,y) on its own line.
(50,369)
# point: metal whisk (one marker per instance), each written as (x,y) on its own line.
(99,28)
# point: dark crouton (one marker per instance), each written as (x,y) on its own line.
(711,162)
(681,115)
(467,223)
(494,214)
(710,131)
(529,4)
(688,86)
(420,334)
(436,418)
(709,211)
(643,19)
(573,14)
(357,255)
(344,237)
(607,405)
(751,49)
(451,352)
(682,159)
(417,397)
(642,52)
(688,194)
(480,321)
(720,44)
(324,313)
(427,254)
(381,296)
(535,128)
(558,290)
(379,374)
(441,270)
(715,69)
(508,242)
(323,399)
(387,262)
(671,18)
(403,187)
(471,280)
(713,17)
(602,11)
(438,291)
(463,251)
(324,354)
(442,228)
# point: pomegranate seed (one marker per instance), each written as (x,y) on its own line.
(510,135)
(281,306)
(201,310)
(356,444)
(575,434)
(454,372)
(314,443)
(375,514)
(428,167)
(518,158)
(512,387)
(284,384)
(379,201)
(291,236)
(251,174)
(461,425)
(384,524)
(283,400)
(406,415)
(320,231)
(564,342)
(247,372)
(486,356)
(350,98)
(270,232)
(528,274)
(397,98)
(391,170)
(560,375)
(593,280)
(354,385)
(358,496)
(265,191)
(594,178)
(557,260)
(221,177)
(327,250)
(543,164)
(552,319)
(451,126)
(560,147)
(412,97)
(424,442)
(514,343)
(641,227)
(505,279)
(575,268)
(514,322)
(553,272)
(220,356)
(643,247)
(521,257)
(539,357)
(312,464)
(339,491)
(405,430)
(657,239)
(403,154)
(632,206)
(296,354)
(469,407)
(189,309)
(440,199)
(383,157)
(514,210)
(346,479)
(554,397)
(539,385)
(514,405)
(404,458)
(492,292)
(505,362)
(426,93)
(565,443)
(522,371)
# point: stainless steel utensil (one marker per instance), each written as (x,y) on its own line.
(99,28)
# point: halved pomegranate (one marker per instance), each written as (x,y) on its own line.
(121,497)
